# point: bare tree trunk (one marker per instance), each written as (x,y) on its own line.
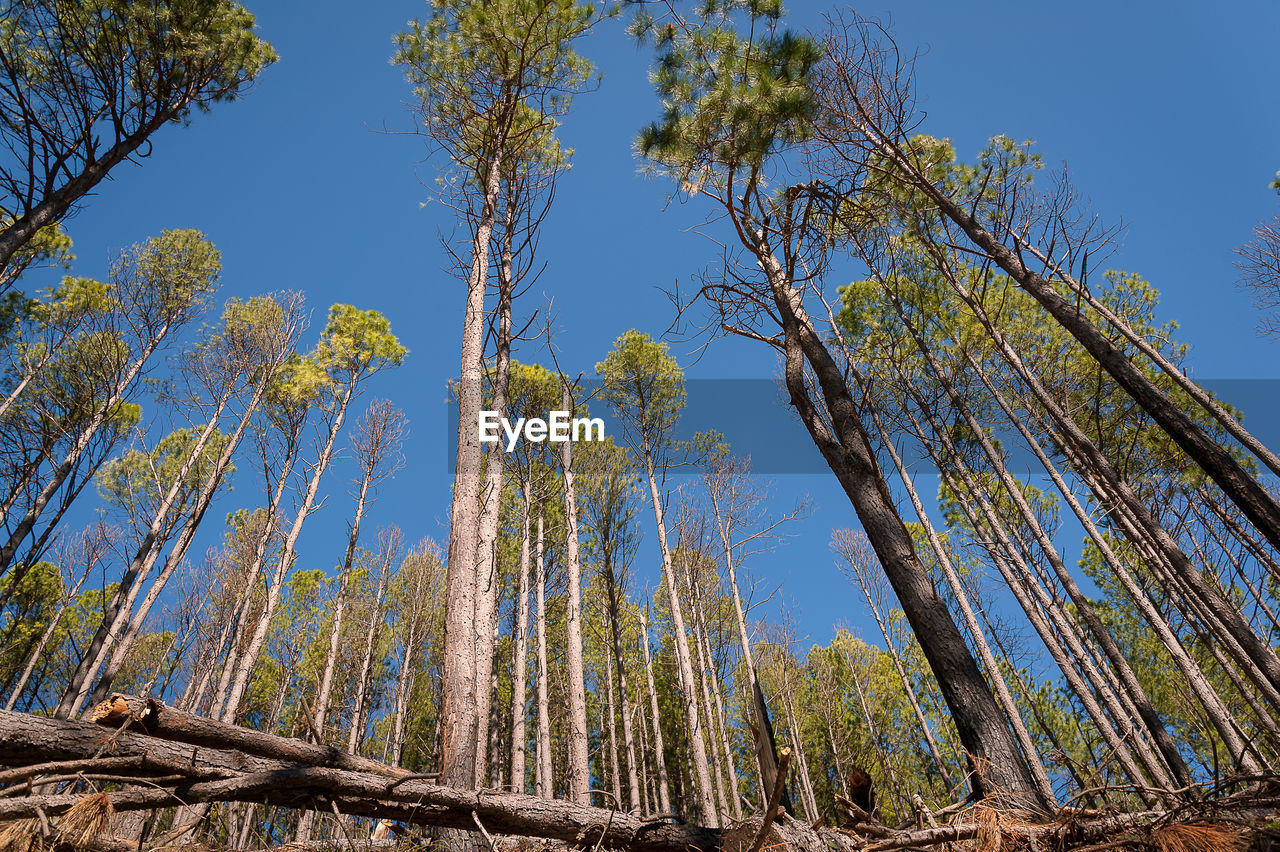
(659,749)
(886,762)
(1216,461)
(1200,686)
(520,662)
(408,675)
(359,718)
(721,722)
(848,453)
(609,724)
(858,563)
(487,574)
(121,604)
(579,766)
(1008,560)
(1083,606)
(1238,485)
(648,798)
(464,641)
(320,710)
(179,551)
(544,786)
(1147,534)
(613,621)
(288,554)
(722,759)
(697,742)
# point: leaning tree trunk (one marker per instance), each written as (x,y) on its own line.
(1084,608)
(320,710)
(1088,460)
(864,581)
(359,712)
(1200,686)
(288,553)
(203,500)
(1242,488)
(847,450)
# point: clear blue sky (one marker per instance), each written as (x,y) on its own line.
(1164,113)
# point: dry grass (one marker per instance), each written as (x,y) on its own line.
(1198,837)
(85,820)
(21,836)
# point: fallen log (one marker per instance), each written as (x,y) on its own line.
(26,739)
(153,772)
(147,715)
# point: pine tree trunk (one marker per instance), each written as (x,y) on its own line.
(1220,465)
(1083,607)
(464,640)
(544,786)
(925,728)
(64,468)
(289,552)
(359,713)
(613,618)
(520,662)
(609,724)
(978,718)
(1146,533)
(195,516)
(120,607)
(697,742)
(1012,714)
(704,674)
(487,573)
(579,775)
(659,748)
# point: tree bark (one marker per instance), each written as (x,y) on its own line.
(520,661)
(545,785)
(848,453)
(463,639)
(579,767)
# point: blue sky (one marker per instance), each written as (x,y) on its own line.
(1164,114)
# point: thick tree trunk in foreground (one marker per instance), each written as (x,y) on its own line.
(848,453)
(459,719)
